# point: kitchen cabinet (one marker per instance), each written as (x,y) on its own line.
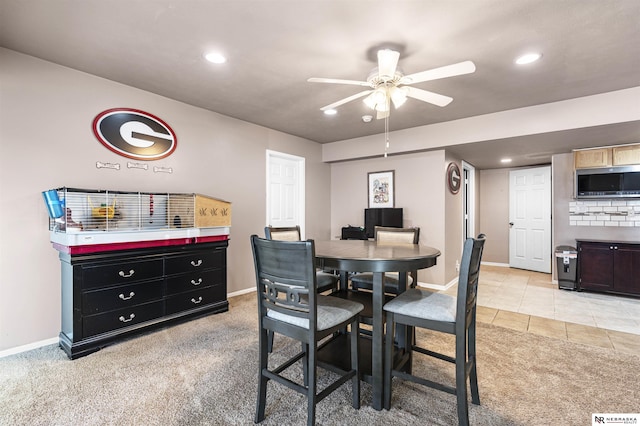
(591,158)
(608,266)
(622,155)
(627,155)
(109,295)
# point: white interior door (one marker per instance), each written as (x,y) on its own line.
(285,190)
(530,219)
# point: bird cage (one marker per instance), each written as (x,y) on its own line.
(81,210)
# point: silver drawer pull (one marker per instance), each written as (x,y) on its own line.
(131,317)
(123,274)
(196,301)
(194,282)
(198,263)
(123,297)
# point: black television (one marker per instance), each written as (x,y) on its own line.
(391,217)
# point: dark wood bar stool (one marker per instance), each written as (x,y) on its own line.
(288,304)
(446,314)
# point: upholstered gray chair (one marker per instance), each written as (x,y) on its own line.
(288,304)
(446,314)
(364,280)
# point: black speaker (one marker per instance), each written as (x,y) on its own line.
(391,217)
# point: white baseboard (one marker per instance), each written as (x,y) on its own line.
(30,346)
(438,287)
(241,292)
(502,265)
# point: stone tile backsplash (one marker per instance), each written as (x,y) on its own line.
(604,213)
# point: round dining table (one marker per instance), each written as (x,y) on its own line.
(349,256)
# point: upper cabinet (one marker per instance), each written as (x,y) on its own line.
(627,155)
(589,158)
(623,155)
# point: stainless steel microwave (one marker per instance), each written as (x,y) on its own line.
(608,182)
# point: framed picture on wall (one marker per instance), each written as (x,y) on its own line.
(380,189)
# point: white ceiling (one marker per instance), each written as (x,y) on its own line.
(273,46)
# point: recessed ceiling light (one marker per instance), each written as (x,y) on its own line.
(215,57)
(505,160)
(330,112)
(528,58)
(367,118)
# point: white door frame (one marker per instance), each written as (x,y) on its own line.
(300,210)
(468,200)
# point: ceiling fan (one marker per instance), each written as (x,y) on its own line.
(388,85)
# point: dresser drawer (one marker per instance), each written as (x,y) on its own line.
(113,320)
(121,273)
(97,301)
(194,299)
(195,280)
(195,261)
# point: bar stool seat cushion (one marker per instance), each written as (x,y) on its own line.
(424,304)
(331,312)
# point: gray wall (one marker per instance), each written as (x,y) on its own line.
(494,214)
(46,142)
(452,222)
(420,187)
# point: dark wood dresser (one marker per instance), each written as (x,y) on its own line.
(109,295)
(609,266)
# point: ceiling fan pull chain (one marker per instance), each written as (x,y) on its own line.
(386,135)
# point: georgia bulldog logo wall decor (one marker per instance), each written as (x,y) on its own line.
(134,134)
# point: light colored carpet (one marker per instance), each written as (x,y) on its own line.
(204,372)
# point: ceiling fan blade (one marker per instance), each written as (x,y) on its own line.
(430,97)
(387,63)
(337,81)
(460,68)
(345,100)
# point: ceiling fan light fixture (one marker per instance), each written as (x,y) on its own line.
(398,96)
(370,102)
(382,107)
(377,100)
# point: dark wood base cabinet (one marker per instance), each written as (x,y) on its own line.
(611,267)
(110,295)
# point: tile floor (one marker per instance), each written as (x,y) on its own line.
(529,301)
